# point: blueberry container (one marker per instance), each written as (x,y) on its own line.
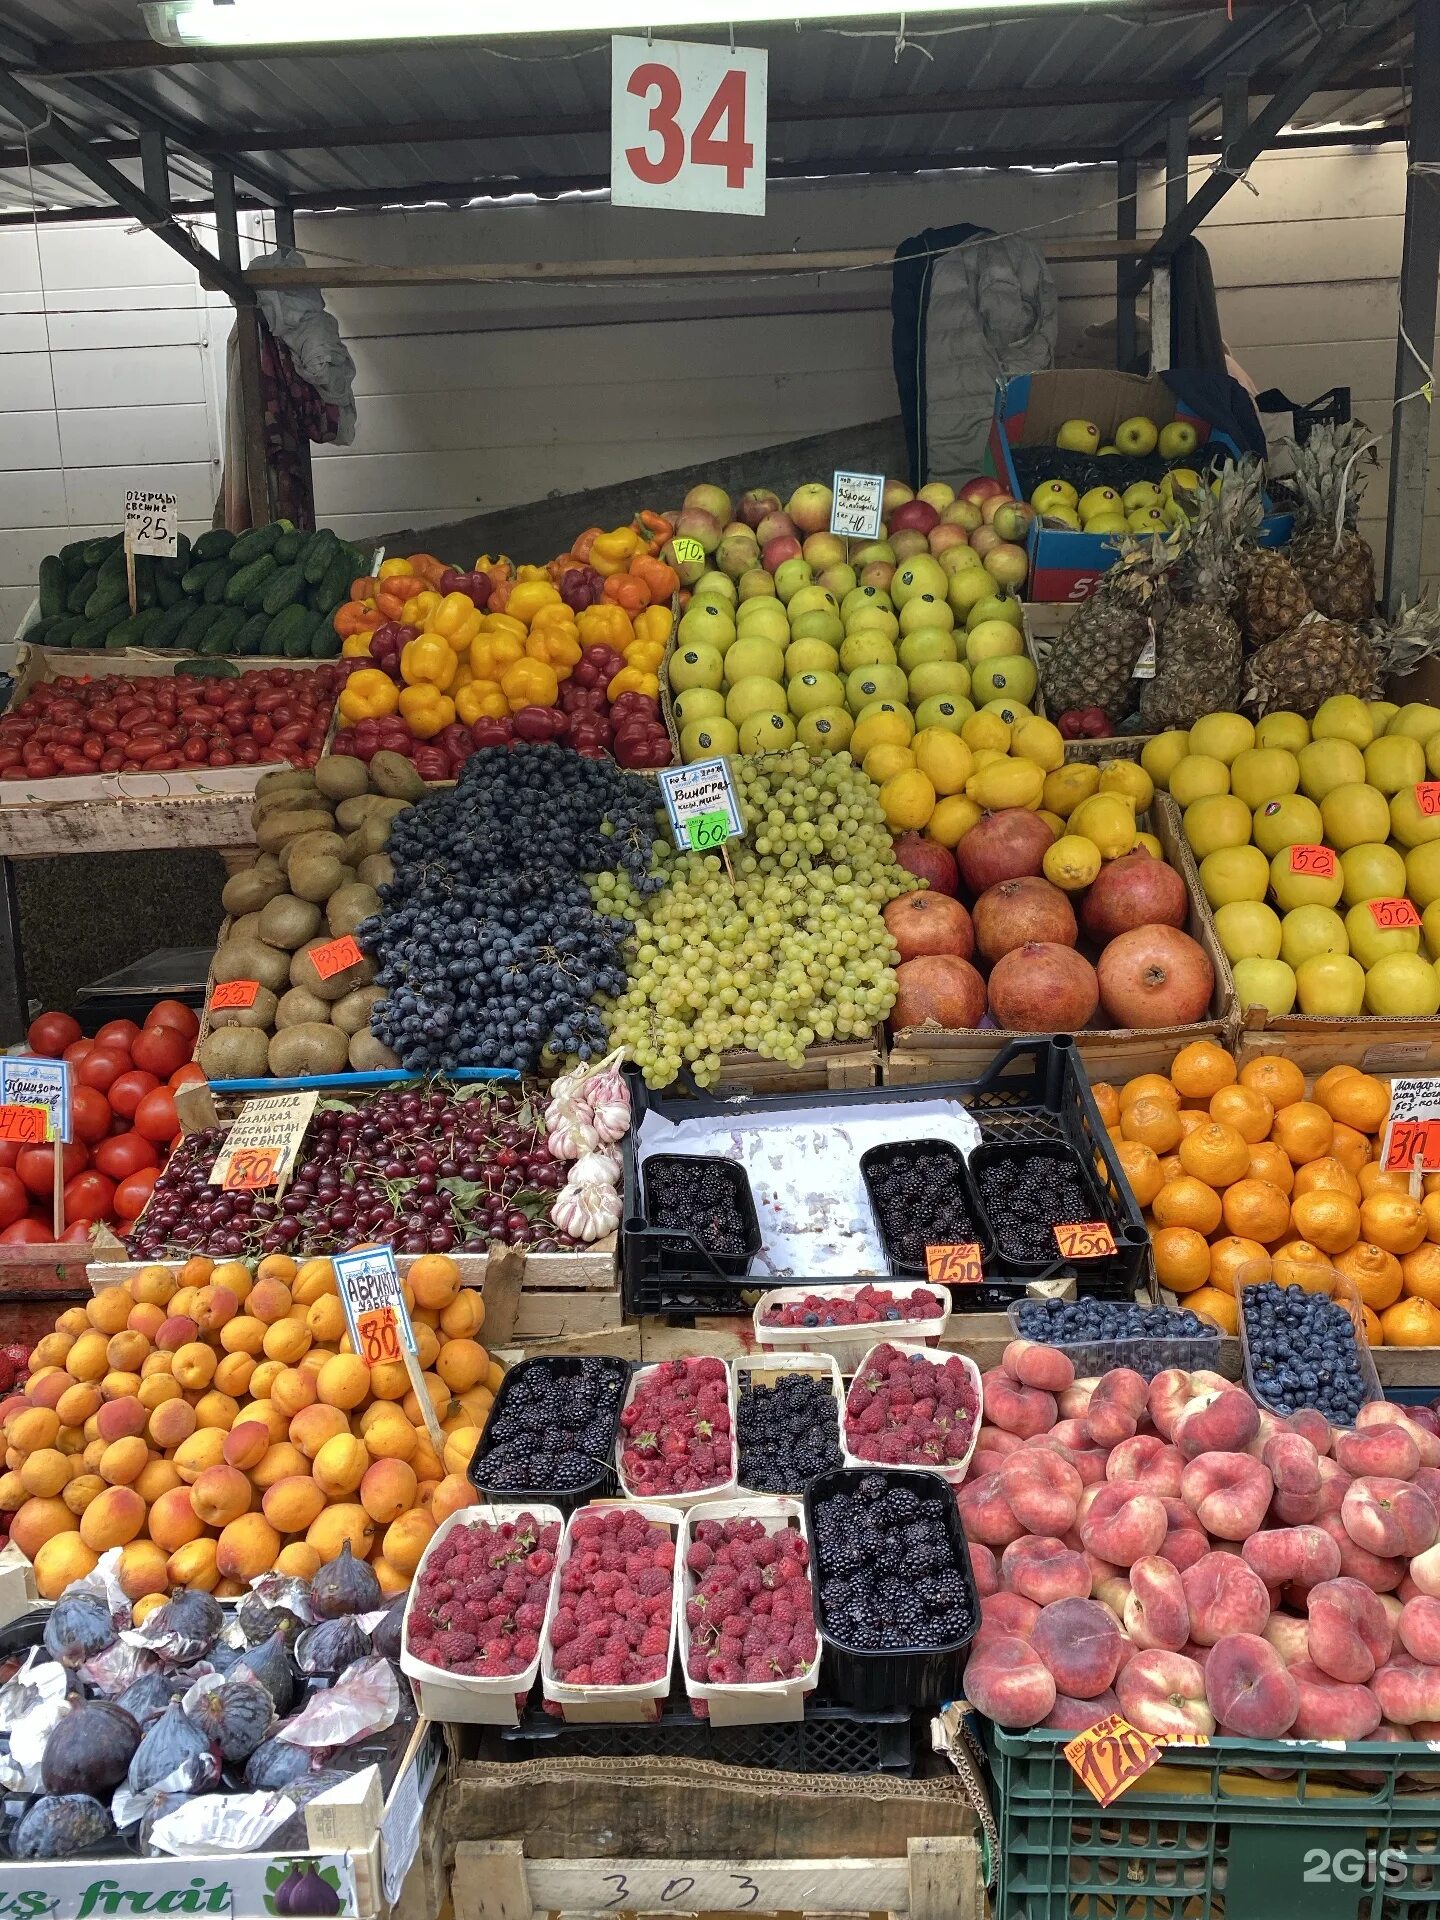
(1147,1354)
(900,1150)
(605,1483)
(1061,1155)
(874,1678)
(1341,1289)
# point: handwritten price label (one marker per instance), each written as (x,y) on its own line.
(1084,1240)
(379,1333)
(954,1265)
(1427,796)
(687,550)
(234,993)
(1112,1755)
(1319,862)
(708,830)
(1390,914)
(24,1125)
(251,1168)
(336,955)
(1413,1146)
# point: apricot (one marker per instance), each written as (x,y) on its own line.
(427,1345)
(462,1364)
(389,1381)
(460,1449)
(186,1302)
(280,1462)
(214,1307)
(39,1520)
(264,1377)
(73,1321)
(299,1560)
(61,1560)
(195,1272)
(439,1396)
(194,1365)
(269,1301)
(149,1603)
(292,1390)
(52,1349)
(344,1382)
(46,1387)
(127,1351)
(340,1465)
(110,1309)
(220,1495)
(406,1540)
(193,1565)
(12,1493)
(292,1505)
(388,1435)
(315,1279)
(118,1385)
(476,1405)
(247,1443)
(234,1374)
(325,1318)
(315,1360)
(113,1518)
(205,1448)
(123,1461)
(122,1419)
(157,1366)
(244,1334)
(172,1423)
(391,1579)
(313,1426)
(453,1493)
(82,1490)
(34,1427)
(87,1359)
(158,1388)
(288,1341)
(143,1570)
(433,1279)
(91,1455)
(176,1330)
(387,1489)
(216,1409)
(464,1317)
(425,1460)
(346,1520)
(248,1546)
(158,1477)
(269,1416)
(234,1275)
(45,1473)
(146,1319)
(154,1286)
(174,1522)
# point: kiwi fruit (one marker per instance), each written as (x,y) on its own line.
(348,906)
(245,926)
(276,828)
(309,1048)
(296,1006)
(303,974)
(315,876)
(372,837)
(376,870)
(393,774)
(352,1014)
(234,1053)
(282,780)
(352,812)
(260,1013)
(251,889)
(340,775)
(317,842)
(288,922)
(369,1055)
(248,959)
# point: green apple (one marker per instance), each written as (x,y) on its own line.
(875,683)
(791,576)
(1248,929)
(703,739)
(1012,712)
(990,640)
(1265,983)
(1381,712)
(968,588)
(1330,984)
(866,649)
(811,691)
(1353,814)
(1329,763)
(1417,719)
(875,553)
(817,623)
(1422,874)
(1408,825)
(949,677)
(1224,736)
(874,620)
(926,610)
(1011,678)
(696,666)
(955,560)
(928,643)
(1106,523)
(765,731)
(1099,500)
(747,659)
(1136,436)
(1430,929)
(1289,731)
(1196,775)
(1233,874)
(1178,440)
(1306,931)
(810,656)
(825,730)
(697,703)
(1370,943)
(996,606)
(1216,821)
(1288,822)
(947,710)
(1259,774)
(865,597)
(759,694)
(1344,716)
(1404,986)
(1161,755)
(714,586)
(921,573)
(1293,889)
(1052,496)
(811,599)
(1078,436)
(1144,493)
(1371,871)
(762,620)
(1147,520)
(709,621)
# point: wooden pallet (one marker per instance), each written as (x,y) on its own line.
(934,1879)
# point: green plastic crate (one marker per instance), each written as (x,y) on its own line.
(1330,1846)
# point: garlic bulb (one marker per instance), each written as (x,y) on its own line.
(608,1101)
(588,1212)
(603,1168)
(570,1139)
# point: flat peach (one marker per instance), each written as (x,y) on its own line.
(1225,1596)
(1044,1570)
(1164,1693)
(1349,1634)
(1080,1643)
(1156,1613)
(1250,1689)
(1009,1683)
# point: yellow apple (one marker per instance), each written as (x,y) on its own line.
(1307,931)
(1223,735)
(1291,731)
(1422,874)
(1417,719)
(1404,986)
(1235,873)
(1293,889)
(1195,776)
(1330,984)
(1217,821)
(1353,814)
(1178,439)
(1136,436)
(1078,436)
(1160,756)
(1329,763)
(1371,871)
(1290,821)
(1265,983)
(1248,929)
(1259,774)
(1369,942)
(1343,717)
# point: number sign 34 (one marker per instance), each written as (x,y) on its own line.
(687,126)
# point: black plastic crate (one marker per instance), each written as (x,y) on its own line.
(1058,1153)
(876,1157)
(604,1486)
(681,1251)
(1035,1090)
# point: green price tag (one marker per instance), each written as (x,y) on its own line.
(687,549)
(707,831)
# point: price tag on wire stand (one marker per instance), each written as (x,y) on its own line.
(1319,862)
(1084,1240)
(1390,914)
(857,506)
(1412,1133)
(263,1144)
(956,1264)
(368,1282)
(706,831)
(1112,1755)
(150,522)
(28,1082)
(687,126)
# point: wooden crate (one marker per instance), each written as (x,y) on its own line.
(838,1066)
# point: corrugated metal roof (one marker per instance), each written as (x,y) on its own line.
(551,106)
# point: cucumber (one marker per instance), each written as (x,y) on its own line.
(250,546)
(222,635)
(133,632)
(81,591)
(283,586)
(72,558)
(213,545)
(53,586)
(196,627)
(324,641)
(246,579)
(107,594)
(63,629)
(319,555)
(213,593)
(177,565)
(171,624)
(168,590)
(297,644)
(290,546)
(251,637)
(334,589)
(199,571)
(291,620)
(96,552)
(91,633)
(37,635)
(144,580)
(112,567)
(205,669)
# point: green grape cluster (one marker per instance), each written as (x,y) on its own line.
(793,950)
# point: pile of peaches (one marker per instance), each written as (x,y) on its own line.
(1168,1551)
(1242,1172)
(214,1423)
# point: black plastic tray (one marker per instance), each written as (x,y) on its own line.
(875,1157)
(605,1485)
(1060,1152)
(701,1262)
(880,1677)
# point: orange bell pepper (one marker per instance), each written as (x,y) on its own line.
(529,683)
(428,661)
(397,591)
(581,547)
(428,568)
(481,700)
(500,592)
(628,591)
(605,625)
(658,575)
(426,710)
(356,616)
(655,625)
(368,694)
(632,680)
(654,529)
(364,588)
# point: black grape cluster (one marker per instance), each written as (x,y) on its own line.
(491,951)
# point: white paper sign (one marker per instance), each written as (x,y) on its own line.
(26,1082)
(369,1281)
(687,126)
(150,522)
(859,505)
(704,787)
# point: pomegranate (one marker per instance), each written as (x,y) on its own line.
(937,990)
(1155,976)
(928,860)
(1003,846)
(926,923)
(1014,911)
(1135,891)
(1043,988)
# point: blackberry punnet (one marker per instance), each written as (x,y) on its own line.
(1026,1196)
(701,1197)
(751,1616)
(789,1433)
(676,1434)
(905,1409)
(480,1602)
(611,1626)
(865,1534)
(868,1306)
(555,1428)
(919,1202)
(1302,1353)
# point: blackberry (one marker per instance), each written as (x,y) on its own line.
(887,1569)
(789,1434)
(554,1428)
(701,1196)
(1026,1194)
(919,1200)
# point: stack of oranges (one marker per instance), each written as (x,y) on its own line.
(1241,1170)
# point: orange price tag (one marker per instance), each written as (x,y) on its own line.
(336,955)
(251,1168)
(1427,796)
(379,1336)
(23,1124)
(1319,861)
(1112,1755)
(1084,1240)
(1413,1145)
(234,993)
(1393,913)
(956,1264)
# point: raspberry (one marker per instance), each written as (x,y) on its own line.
(699,1558)
(654,1640)
(609,1672)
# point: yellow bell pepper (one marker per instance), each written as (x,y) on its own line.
(555,614)
(632,680)
(426,710)
(464,674)
(605,625)
(456,619)
(356,647)
(612,552)
(655,624)
(368,694)
(390,569)
(645,654)
(529,597)
(481,700)
(427,662)
(491,653)
(419,610)
(524,574)
(503,623)
(557,648)
(529,683)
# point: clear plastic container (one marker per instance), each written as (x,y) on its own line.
(680,1501)
(952,1470)
(641,1701)
(753,1703)
(765,1370)
(1147,1354)
(1343,1291)
(846,1345)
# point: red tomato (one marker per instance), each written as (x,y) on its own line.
(10,1151)
(160,1050)
(117,1033)
(89,1196)
(190,1075)
(51,1033)
(89,1114)
(134,1191)
(36,1167)
(78,1232)
(14,1200)
(77,1051)
(155,1116)
(174,1013)
(27,1233)
(129,1090)
(102,1068)
(125,1153)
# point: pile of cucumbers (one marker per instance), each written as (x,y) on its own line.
(272,591)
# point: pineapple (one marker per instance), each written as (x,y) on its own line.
(1198,654)
(1272,596)
(1091,662)
(1322,657)
(1335,564)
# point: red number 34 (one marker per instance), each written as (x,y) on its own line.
(733,151)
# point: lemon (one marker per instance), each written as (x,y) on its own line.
(1160,756)
(907,800)
(1109,820)
(1129,779)
(952,820)
(984,756)
(944,758)
(882,763)
(1009,783)
(1149,843)
(1067,786)
(986,730)
(888,728)
(1072,863)
(1052,820)
(1037,740)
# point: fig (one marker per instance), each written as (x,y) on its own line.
(275,1763)
(90,1749)
(79,1626)
(170,1743)
(331,1646)
(257,1621)
(147,1698)
(162,1804)
(59,1824)
(344,1585)
(303,1891)
(189,1623)
(235,1716)
(271,1665)
(386,1636)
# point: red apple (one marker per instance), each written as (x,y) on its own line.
(756,504)
(916,514)
(981,488)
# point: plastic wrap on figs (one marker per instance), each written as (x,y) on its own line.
(219,1823)
(331,1646)
(150,1695)
(271,1665)
(234,1715)
(161,1804)
(184,1629)
(385,1634)
(31,1706)
(174,1741)
(79,1627)
(59,1825)
(276,1763)
(117,1667)
(89,1751)
(364,1700)
(344,1585)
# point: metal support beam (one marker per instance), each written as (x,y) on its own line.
(1177,163)
(285,227)
(155,169)
(1234,110)
(1420,262)
(1127,212)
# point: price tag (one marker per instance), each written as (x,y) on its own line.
(379,1336)
(234,993)
(336,955)
(1112,1755)
(23,1125)
(28,1082)
(1146,667)
(857,507)
(687,126)
(687,550)
(1319,862)
(699,792)
(708,830)
(957,1264)
(1084,1240)
(368,1282)
(1412,1146)
(262,1146)
(1389,914)
(150,522)
(1427,796)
